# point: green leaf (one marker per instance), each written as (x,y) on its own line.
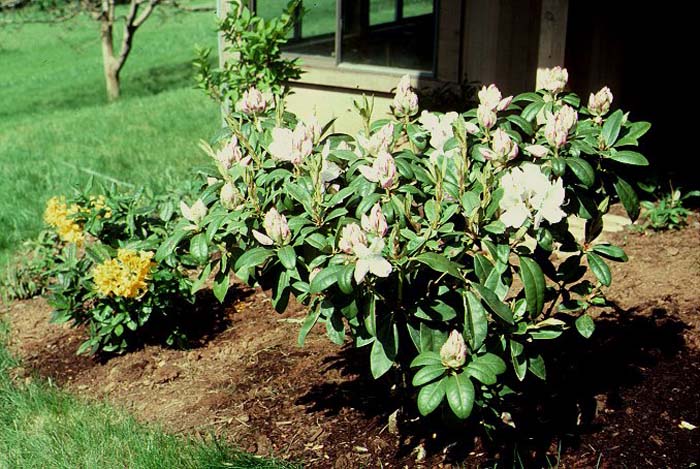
(585,326)
(287,257)
(600,268)
(534,285)
(537,367)
(611,128)
(430,339)
(199,247)
(345,278)
(630,157)
(439,263)
(628,197)
(170,244)
(582,169)
(611,252)
(309,322)
(522,123)
(460,395)
(426,358)
(379,362)
(98,252)
(427,374)
(430,396)
(636,130)
(335,328)
(220,287)
(253,258)
(477,326)
(496,305)
(481,372)
(325,278)
(482,267)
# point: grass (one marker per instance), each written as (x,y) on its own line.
(44,427)
(56,128)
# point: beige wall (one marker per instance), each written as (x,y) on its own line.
(329,104)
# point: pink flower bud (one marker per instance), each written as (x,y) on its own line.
(252,102)
(229,154)
(485,116)
(405,100)
(386,170)
(599,103)
(503,145)
(276,227)
(567,117)
(228,195)
(351,236)
(375,223)
(453,353)
(538,151)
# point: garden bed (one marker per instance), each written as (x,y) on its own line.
(628,388)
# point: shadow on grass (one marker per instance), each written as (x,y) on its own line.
(142,83)
(556,413)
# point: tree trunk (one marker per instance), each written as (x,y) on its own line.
(109,62)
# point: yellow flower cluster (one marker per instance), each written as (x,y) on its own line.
(99,203)
(58,215)
(125,276)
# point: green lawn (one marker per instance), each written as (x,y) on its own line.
(56,127)
(44,427)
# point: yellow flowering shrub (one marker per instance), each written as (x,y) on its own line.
(127,275)
(59,215)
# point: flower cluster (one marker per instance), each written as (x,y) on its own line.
(405,102)
(126,276)
(528,193)
(275,225)
(253,102)
(366,254)
(294,146)
(61,216)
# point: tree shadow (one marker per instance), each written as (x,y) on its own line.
(551,414)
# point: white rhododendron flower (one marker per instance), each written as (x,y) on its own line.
(252,102)
(276,227)
(350,236)
(292,146)
(329,170)
(485,116)
(490,97)
(405,100)
(376,222)
(195,213)
(599,103)
(503,147)
(230,154)
(369,259)
(379,142)
(383,171)
(554,79)
(453,352)
(440,128)
(529,194)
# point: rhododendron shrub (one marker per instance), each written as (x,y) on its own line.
(104,276)
(441,242)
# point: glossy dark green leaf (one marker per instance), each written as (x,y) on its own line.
(460,395)
(585,326)
(287,257)
(599,268)
(325,278)
(253,257)
(611,128)
(379,362)
(611,252)
(630,157)
(534,285)
(628,197)
(477,325)
(430,396)
(537,367)
(582,170)
(427,374)
(426,358)
(497,306)
(439,263)
(199,247)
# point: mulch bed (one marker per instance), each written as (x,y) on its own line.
(615,400)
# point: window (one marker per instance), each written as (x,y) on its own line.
(384,33)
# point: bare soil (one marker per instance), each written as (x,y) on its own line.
(615,400)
